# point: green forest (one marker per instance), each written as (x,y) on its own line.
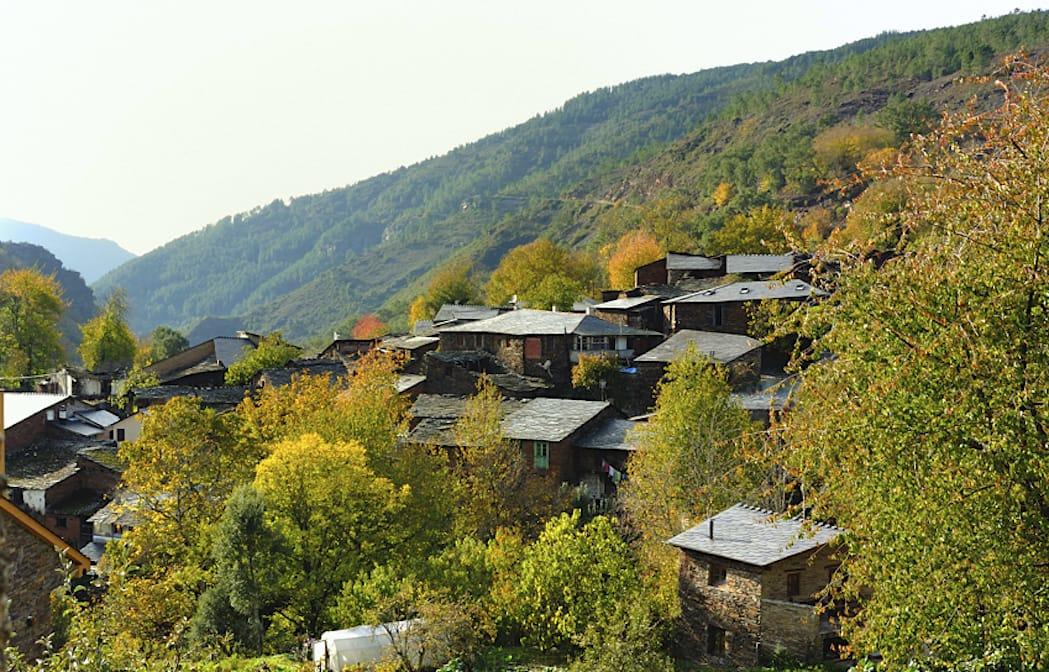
(580,175)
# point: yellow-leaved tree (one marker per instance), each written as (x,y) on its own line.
(30,307)
(543,275)
(633,249)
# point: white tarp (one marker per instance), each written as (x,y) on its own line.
(338,649)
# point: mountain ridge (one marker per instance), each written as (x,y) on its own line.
(309,265)
(90,257)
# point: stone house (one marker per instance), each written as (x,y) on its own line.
(350,348)
(677,267)
(35,574)
(204,364)
(609,444)
(546,344)
(413,348)
(547,430)
(644,311)
(749,584)
(451,314)
(727,308)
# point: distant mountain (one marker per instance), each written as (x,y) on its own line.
(90,257)
(308,265)
(80,301)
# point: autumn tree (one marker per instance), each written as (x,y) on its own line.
(338,517)
(368,326)
(633,249)
(451,283)
(839,148)
(497,484)
(690,462)
(107,339)
(30,308)
(763,230)
(542,275)
(926,435)
(272,351)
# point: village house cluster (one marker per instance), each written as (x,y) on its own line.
(749,579)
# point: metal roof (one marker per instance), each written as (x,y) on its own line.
(612,434)
(528,322)
(755,290)
(755,536)
(759,263)
(19,406)
(720,347)
(99,417)
(544,419)
(691,262)
(628,302)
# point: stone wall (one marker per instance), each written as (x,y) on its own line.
(734,606)
(34,575)
(789,628)
(25,433)
(735,318)
(813,571)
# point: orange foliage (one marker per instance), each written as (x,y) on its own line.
(633,249)
(369,326)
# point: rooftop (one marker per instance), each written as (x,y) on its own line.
(527,322)
(612,434)
(628,302)
(720,347)
(759,263)
(774,393)
(544,419)
(209,396)
(691,262)
(755,536)
(51,460)
(450,312)
(19,406)
(757,290)
(408,342)
(333,369)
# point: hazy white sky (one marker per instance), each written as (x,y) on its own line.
(140,121)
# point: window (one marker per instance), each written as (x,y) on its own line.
(793,584)
(541,454)
(717,316)
(533,348)
(592,343)
(716,575)
(60,522)
(715,641)
(120,435)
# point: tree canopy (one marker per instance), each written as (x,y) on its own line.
(107,340)
(30,308)
(542,275)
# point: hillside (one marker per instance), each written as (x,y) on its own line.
(78,296)
(90,257)
(309,265)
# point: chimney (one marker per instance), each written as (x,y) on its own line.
(710,529)
(334,335)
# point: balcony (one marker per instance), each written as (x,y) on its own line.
(623,355)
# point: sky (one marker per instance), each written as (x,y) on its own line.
(143,121)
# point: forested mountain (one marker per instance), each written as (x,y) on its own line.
(579,174)
(90,257)
(80,300)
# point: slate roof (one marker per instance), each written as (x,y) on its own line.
(539,419)
(334,369)
(19,406)
(41,464)
(462,312)
(628,302)
(774,393)
(759,263)
(756,290)
(544,419)
(407,381)
(527,322)
(755,536)
(718,346)
(214,397)
(409,342)
(691,262)
(612,434)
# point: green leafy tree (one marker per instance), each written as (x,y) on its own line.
(591,370)
(30,308)
(107,340)
(273,351)
(905,117)
(541,275)
(338,517)
(573,575)
(451,283)
(927,434)
(759,231)
(690,462)
(165,342)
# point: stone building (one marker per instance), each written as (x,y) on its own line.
(204,364)
(728,308)
(749,584)
(546,344)
(677,267)
(642,312)
(36,561)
